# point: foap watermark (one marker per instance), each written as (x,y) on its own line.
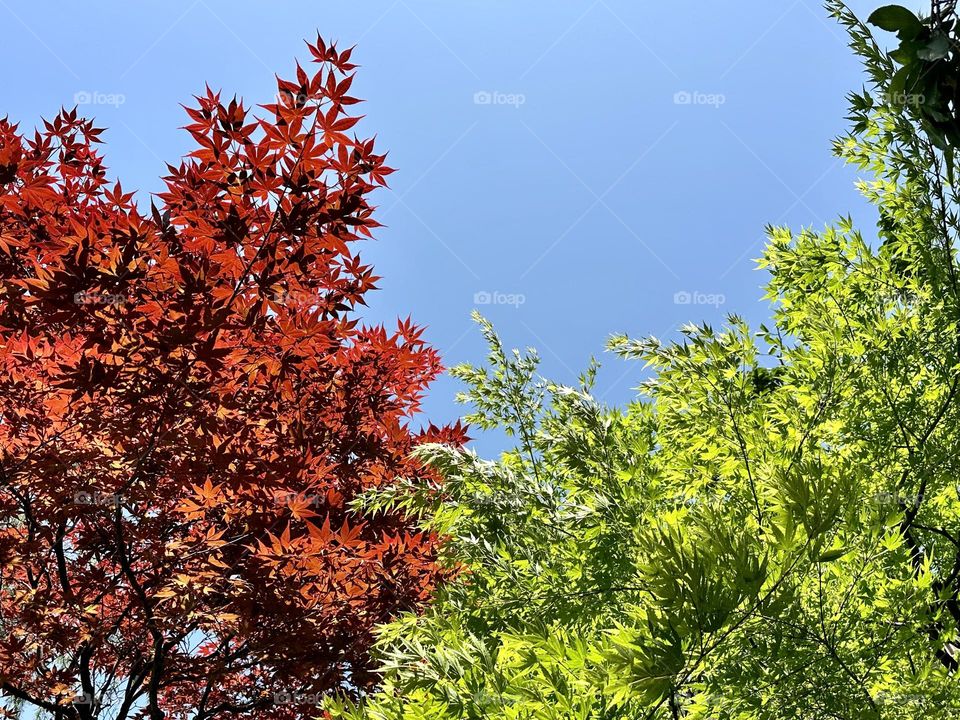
(903,98)
(297,698)
(297,299)
(900,699)
(100,499)
(896,499)
(289,98)
(686,297)
(486,297)
(495,97)
(695,97)
(283,499)
(96,298)
(79,698)
(96,97)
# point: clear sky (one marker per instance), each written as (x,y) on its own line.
(589,166)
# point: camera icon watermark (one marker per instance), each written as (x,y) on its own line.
(495,97)
(686,297)
(495,297)
(96,97)
(695,97)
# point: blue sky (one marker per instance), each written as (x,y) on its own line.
(589,166)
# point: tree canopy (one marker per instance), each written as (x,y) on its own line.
(212,503)
(188,403)
(770,530)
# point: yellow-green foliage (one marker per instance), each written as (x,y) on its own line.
(772,530)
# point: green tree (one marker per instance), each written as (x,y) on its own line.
(771,530)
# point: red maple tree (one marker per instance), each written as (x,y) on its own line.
(188,405)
